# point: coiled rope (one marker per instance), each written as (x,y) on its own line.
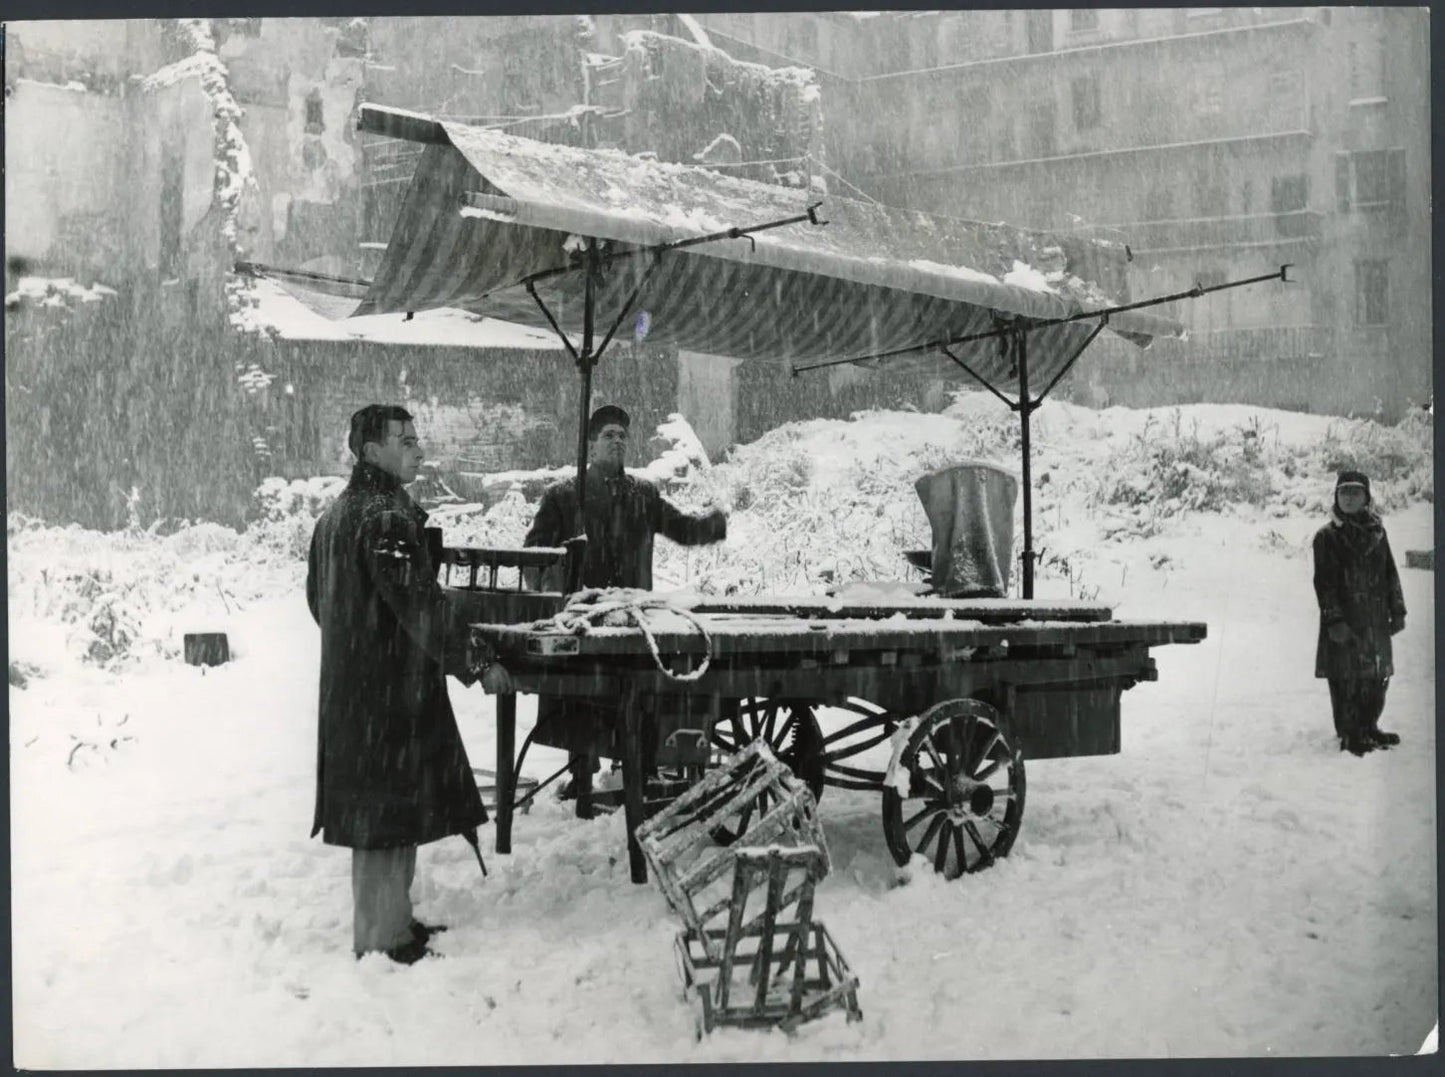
(605,607)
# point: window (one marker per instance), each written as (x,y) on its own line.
(1372,293)
(1040,27)
(314,123)
(1086,102)
(1365,68)
(1370,180)
(1159,204)
(170,211)
(1006,139)
(1211,194)
(1289,193)
(1083,18)
(1041,131)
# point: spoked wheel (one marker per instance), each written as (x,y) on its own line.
(965,790)
(791,731)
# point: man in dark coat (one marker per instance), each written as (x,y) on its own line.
(1361,607)
(391,771)
(624,513)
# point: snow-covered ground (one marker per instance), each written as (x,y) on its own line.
(1229,884)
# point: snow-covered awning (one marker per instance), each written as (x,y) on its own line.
(487,211)
(278,311)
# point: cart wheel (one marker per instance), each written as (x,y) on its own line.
(791,730)
(965,790)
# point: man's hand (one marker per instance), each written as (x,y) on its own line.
(1339,632)
(496,680)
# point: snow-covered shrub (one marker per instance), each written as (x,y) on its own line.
(1171,471)
(109,630)
(1400,459)
(286,511)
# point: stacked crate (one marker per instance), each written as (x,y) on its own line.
(747,964)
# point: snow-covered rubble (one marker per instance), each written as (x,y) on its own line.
(1229,884)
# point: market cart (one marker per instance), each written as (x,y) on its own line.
(963,690)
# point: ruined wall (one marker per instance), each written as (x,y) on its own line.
(113,417)
(480,410)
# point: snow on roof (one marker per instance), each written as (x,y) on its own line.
(614,195)
(277,310)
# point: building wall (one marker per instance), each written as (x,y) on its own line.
(1208,139)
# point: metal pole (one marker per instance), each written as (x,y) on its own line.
(584,364)
(1026,407)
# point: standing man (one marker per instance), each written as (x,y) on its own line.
(391,771)
(623,514)
(1361,607)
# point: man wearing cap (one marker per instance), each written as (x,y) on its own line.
(624,513)
(391,771)
(1361,607)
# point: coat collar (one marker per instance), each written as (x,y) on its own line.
(370,477)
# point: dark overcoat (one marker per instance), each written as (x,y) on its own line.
(624,512)
(390,768)
(1356,583)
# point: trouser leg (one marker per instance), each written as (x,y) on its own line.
(1372,703)
(1340,707)
(381,897)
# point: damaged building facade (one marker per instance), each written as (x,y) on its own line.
(1219,143)
(248,151)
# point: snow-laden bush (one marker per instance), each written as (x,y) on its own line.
(1400,459)
(1173,471)
(286,512)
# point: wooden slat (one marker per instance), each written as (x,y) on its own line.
(753,637)
(975,609)
(509,557)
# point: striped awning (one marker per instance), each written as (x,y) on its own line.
(487,211)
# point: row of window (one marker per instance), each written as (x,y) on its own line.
(1365,180)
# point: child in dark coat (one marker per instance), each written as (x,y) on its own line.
(1361,607)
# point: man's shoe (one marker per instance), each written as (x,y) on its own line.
(421,932)
(1384,738)
(411,952)
(1356,745)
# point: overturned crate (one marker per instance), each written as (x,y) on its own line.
(693,843)
(761,970)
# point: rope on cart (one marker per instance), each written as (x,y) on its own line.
(599,607)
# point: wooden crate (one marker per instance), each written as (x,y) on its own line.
(681,846)
(740,973)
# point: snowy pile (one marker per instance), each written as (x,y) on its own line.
(1229,884)
(60,292)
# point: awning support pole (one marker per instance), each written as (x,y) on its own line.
(1082,348)
(810,215)
(1025,408)
(553,323)
(1012,405)
(585,362)
(1193,293)
(627,306)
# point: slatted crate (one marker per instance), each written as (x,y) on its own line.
(691,845)
(760,970)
